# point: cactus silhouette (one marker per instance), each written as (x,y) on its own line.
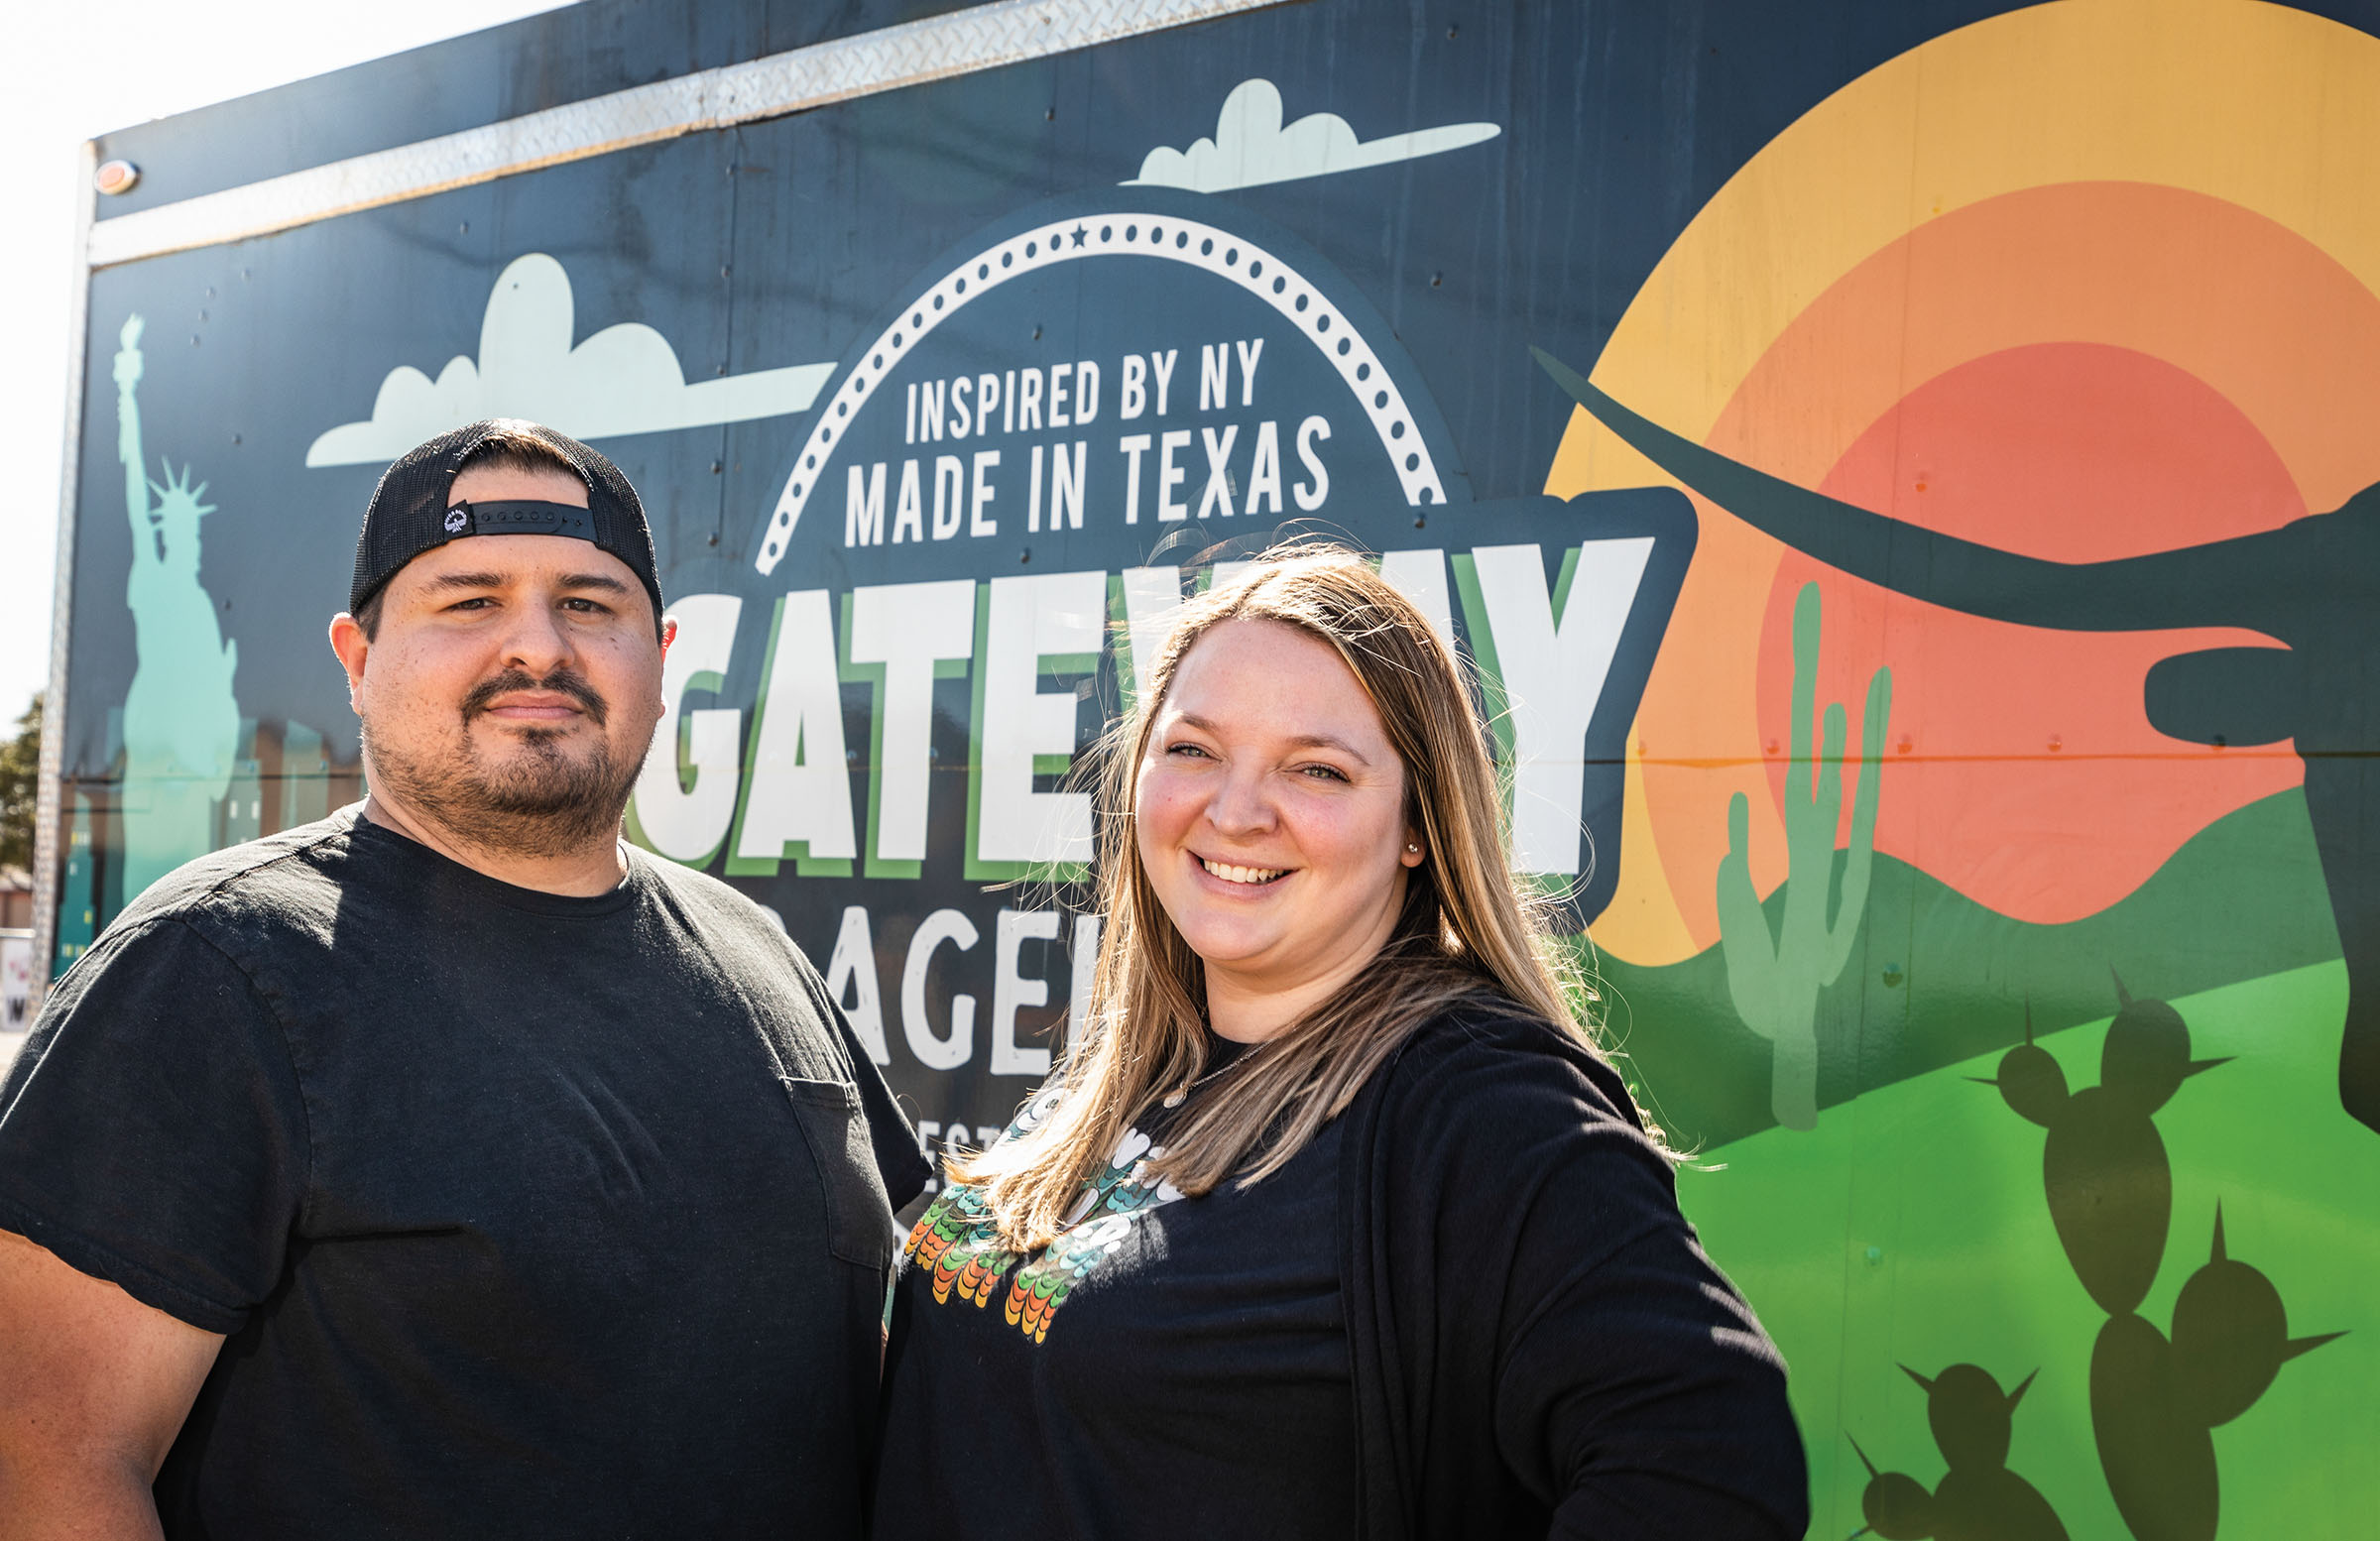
(1978,1498)
(1774,977)
(2153,1401)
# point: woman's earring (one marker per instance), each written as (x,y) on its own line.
(1411,846)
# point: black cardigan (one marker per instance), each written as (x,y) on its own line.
(1539,1346)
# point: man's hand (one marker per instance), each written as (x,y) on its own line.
(93,1387)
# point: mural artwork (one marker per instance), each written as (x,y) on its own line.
(1903,471)
(1973,1421)
(181,721)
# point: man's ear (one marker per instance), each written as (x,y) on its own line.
(348,641)
(669,633)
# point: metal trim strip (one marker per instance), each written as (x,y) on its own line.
(50,799)
(983,37)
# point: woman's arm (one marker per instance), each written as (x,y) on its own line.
(1644,1400)
(1632,1391)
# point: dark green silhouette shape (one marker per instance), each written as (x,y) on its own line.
(2111,1187)
(2153,1403)
(2309,584)
(1978,1498)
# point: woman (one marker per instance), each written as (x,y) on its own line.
(1332,1222)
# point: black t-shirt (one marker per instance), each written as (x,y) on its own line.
(525,1215)
(1170,1367)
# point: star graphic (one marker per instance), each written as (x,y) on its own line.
(1081,235)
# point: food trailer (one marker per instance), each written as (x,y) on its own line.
(1904,471)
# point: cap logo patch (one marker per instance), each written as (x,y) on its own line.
(457,519)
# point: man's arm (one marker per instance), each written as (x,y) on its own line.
(93,1387)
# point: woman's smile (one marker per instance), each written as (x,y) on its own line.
(1238,875)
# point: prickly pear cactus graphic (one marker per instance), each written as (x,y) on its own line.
(1978,1498)
(181,722)
(2153,1400)
(1774,978)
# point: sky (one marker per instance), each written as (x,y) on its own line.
(79,71)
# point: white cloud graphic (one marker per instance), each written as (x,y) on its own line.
(1250,147)
(625,379)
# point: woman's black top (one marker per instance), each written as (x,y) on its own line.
(1171,1367)
(1528,1339)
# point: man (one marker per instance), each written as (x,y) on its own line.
(448,1167)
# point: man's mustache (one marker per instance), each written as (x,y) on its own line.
(562,682)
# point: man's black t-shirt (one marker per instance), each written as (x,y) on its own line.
(1168,1368)
(523,1214)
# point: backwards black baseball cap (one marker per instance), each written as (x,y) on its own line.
(414,509)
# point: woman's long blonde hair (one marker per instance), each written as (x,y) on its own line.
(1468,930)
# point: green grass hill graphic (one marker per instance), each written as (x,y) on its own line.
(1936,979)
(1909,1228)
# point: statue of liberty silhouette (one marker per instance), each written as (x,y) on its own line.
(181,722)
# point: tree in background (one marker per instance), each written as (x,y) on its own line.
(19,785)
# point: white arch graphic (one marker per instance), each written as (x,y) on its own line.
(1132,233)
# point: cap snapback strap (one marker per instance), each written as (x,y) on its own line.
(519,519)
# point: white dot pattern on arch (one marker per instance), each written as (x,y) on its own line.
(1137,234)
